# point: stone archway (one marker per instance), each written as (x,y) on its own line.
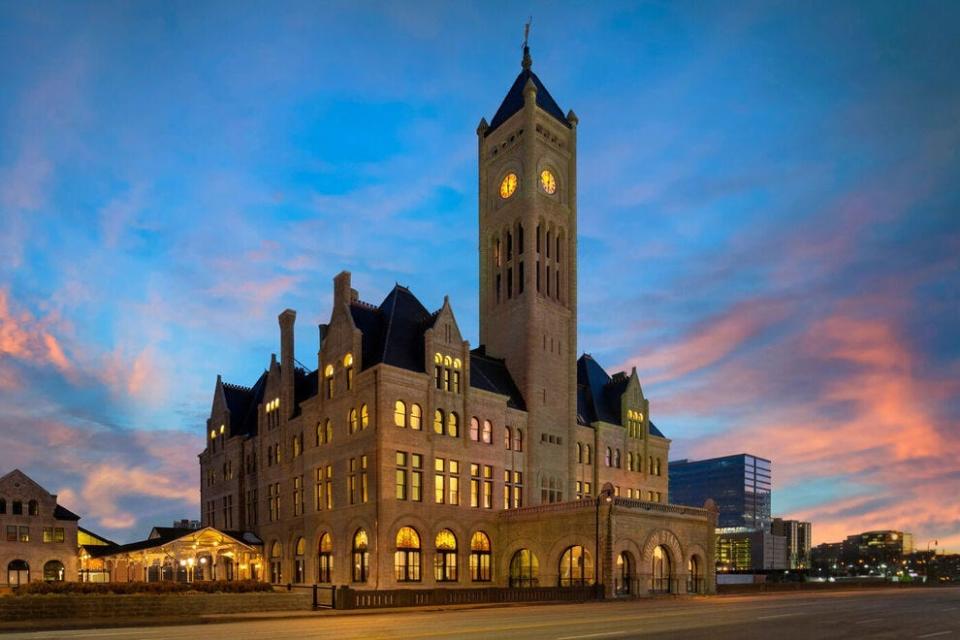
(668,541)
(696,569)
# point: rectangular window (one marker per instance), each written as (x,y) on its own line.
(487,487)
(401,484)
(352,482)
(11,533)
(416,477)
(58,534)
(298,496)
(474,485)
(498,287)
(509,282)
(538,275)
(456,382)
(438,480)
(520,281)
(453,495)
(48,534)
(329,489)
(24,534)
(364,486)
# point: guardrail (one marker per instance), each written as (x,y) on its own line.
(324,596)
(349,598)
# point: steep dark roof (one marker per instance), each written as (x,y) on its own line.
(491,374)
(304,386)
(242,403)
(393,332)
(62,513)
(598,395)
(513,102)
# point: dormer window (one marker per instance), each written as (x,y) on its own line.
(634,424)
(447,372)
(273,418)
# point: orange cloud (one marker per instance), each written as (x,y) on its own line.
(24,337)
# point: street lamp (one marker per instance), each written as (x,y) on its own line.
(605,498)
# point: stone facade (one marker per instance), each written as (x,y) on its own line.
(39,536)
(409,459)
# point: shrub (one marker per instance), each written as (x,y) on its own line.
(100,588)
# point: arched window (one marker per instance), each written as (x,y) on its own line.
(299,575)
(400,413)
(661,570)
(354,422)
(321,435)
(348,366)
(445,560)
(630,460)
(524,569)
(616,458)
(518,440)
(361,556)
(328,378)
(364,416)
(623,581)
(406,559)
(53,571)
(694,575)
(276,559)
(474,429)
(328,428)
(579,453)
(508,438)
(608,458)
(576,567)
(33,508)
(416,417)
(438,419)
(3,505)
(297,448)
(453,425)
(18,572)
(588,458)
(325,558)
(480,557)
(487,435)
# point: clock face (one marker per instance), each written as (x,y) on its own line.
(508,186)
(548,182)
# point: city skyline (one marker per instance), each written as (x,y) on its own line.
(772,235)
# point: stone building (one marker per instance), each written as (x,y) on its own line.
(410,458)
(40,541)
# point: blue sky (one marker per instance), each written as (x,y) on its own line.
(768,214)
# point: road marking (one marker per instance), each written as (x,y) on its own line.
(935,634)
(594,635)
(869,621)
(782,615)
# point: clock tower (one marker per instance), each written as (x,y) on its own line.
(528,269)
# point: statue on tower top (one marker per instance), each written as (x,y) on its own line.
(527,60)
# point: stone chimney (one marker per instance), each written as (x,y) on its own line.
(342,293)
(286,319)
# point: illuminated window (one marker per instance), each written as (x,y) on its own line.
(416,417)
(576,567)
(487,435)
(325,558)
(276,558)
(297,444)
(480,555)
(445,558)
(213,434)
(474,429)
(328,377)
(400,413)
(328,428)
(548,182)
(508,438)
(518,440)
(453,425)
(361,556)
(364,416)
(406,559)
(222,428)
(608,457)
(354,422)
(298,562)
(524,569)
(438,419)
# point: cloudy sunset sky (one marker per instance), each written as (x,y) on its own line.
(769,201)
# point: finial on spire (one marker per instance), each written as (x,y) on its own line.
(527,60)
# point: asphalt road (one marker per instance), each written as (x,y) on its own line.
(894,613)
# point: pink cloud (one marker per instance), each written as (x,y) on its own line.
(27,338)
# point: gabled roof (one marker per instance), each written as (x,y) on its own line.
(393,331)
(491,374)
(598,395)
(242,403)
(62,513)
(160,536)
(513,102)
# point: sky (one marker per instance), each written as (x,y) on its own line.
(769,216)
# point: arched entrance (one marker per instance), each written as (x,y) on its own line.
(624,577)
(694,575)
(661,570)
(18,572)
(524,569)
(576,567)
(53,571)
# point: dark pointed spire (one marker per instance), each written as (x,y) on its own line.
(527,60)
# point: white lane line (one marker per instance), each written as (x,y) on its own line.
(594,635)
(782,615)
(935,634)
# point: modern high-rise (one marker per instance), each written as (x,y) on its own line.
(739,484)
(797,536)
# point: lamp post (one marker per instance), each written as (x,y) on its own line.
(603,497)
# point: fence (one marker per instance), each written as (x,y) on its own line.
(322,596)
(347,598)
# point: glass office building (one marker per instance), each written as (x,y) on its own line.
(739,484)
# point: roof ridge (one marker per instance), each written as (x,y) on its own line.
(231,385)
(365,304)
(386,331)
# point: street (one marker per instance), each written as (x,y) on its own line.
(886,613)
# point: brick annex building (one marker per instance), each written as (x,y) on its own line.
(408,459)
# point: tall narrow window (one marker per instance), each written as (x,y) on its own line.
(474,429)
(509,246)
(416,417)
(445,558)
(400,413)
(453,425)
(348,366)
(508,438)
(487,434)
(480,557)
(364,416)
(325,558)
(406,560)
(354,421)
(520,239)
(438,420)
(328,378)
(361,556)
(299,575)
(520,278)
